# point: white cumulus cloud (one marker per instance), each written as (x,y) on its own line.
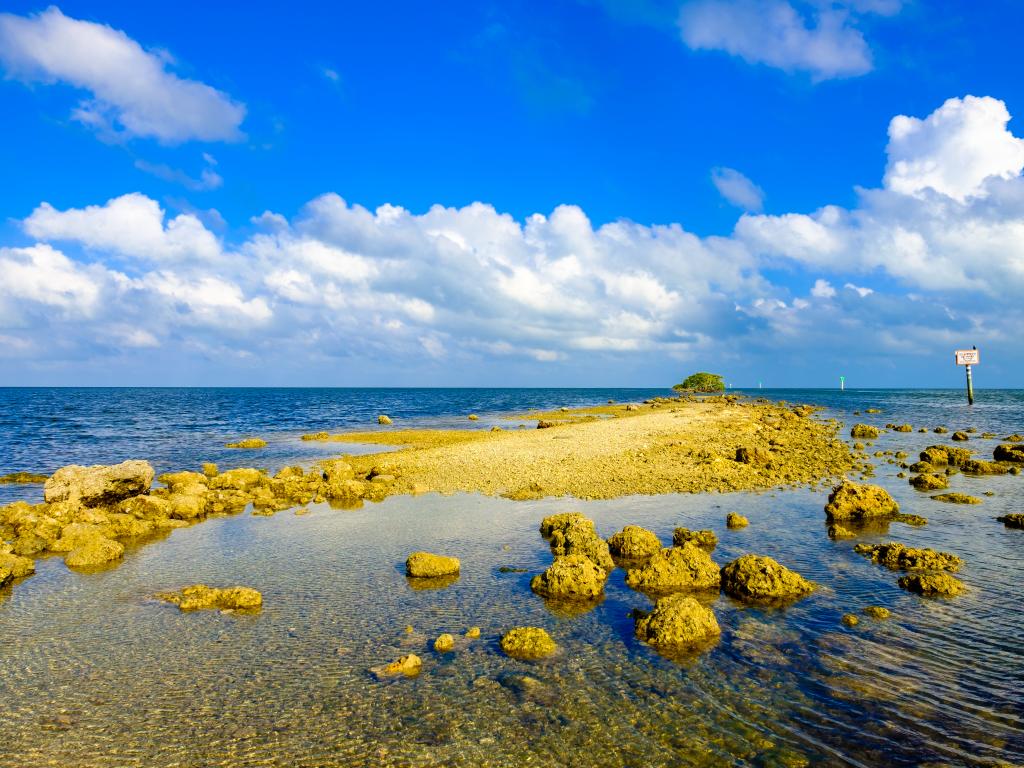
(132,92)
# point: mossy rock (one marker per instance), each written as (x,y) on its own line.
(23,478)
(705,539)
(528,643)
(633,543)
(960,437)
(932,584)
(676,569)
(384,419)
(561,521)
(200,597)
(956,498)
(249,442)
(837,531)
(425,565)
(903,428)
(854,501)
(929,482)
(678,622)
(444,643)
(579,538)
(899,557)
(864,432)
(979,467)
(850,620)
(1012,520)
(1013,452)
(877,612)
(573,577)
(735,521)
(759,578)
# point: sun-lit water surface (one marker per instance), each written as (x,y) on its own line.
(95,673)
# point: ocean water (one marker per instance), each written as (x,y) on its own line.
(93,672)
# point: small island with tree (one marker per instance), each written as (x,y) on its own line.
(701,382)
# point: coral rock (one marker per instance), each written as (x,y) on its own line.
(864,432)
(633,543)
(574,577)
(676,569)
(527,643)
(100,484)
(678,622)
(899,557)
(705,539)
(199,597)
(760,578)
(735,521)
(941,584)
(424,565)
(852,501)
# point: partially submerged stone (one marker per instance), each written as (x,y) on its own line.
(1012,520)
(573,577)
(561,521)
(99,484)
(940,430)
(940,455)
(837,531)
(877,612)
(734,520)
(850,620)
(960,437)
(956,498)
(473,417)
(676,569)
(853,501)
(424,565)
(473,632)
(979,467)
(95,551)
(527,643)
(384,419)
(903,428)
(23,478)
(1009,452)
(15,566)
(705,539)
(929,482)
(633,543)
(761,579)
(899,557)
(409,665)
(937,584)
(315,436)
(678,622)
(864,432)
(249,442)
(444,643)
(200,597)
(580,538)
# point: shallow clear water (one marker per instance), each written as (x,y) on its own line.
(95,673)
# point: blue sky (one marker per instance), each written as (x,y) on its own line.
(568,193)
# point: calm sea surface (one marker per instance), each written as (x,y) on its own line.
(93,672)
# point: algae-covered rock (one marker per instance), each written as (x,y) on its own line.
(940,430)
(241,479)
(561,521)
(850,620)
(1009,452)
(424,565)
(853,501)
(877,612)
(899,557)
(956,498)
(864,432)
(633,543)
(676,569)
(929,482)
(15,566)
(95,551)
(940,455)
(473,632)
(903,428)
(705,539)
(939,583)
(384,419)
(409,665)
(573,577)
(755,456)
(915,520)
(837,531)
(678,622)
(200,597)
(315,436)
(979,467)
(960,437)
(100,484)
(760,578)
(473,417)
(23,478)
(735,521)
(579,538)
(1012,520)
(527,643)
(210,469)
(249,442)
(444,643)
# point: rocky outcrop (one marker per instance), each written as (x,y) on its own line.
(853,501)
(1012,520)
(956,498)
(755,456)
(384,419)
(561,521)
(527,643)
(100,484)
(929,482)
(961,437)
(705,539)
(633,543)
(424,565)
(877,612)
(903,428)
(249,442)
(444,643)
(200,597)
(864,432)
(23,478)
(979,467)
(933,584)
(580,538)
(734,520)
(677,623)
(574,577)
(941,455)
(761,579)
(902,558)
(676,569)
(1009,452)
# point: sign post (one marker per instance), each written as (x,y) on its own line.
(967,358)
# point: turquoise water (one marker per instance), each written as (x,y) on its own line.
(96,673)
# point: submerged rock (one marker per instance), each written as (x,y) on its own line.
(24,478)
(940,430)
(316,436)
(100,484)
(850,619)
(929,482)
(899,557)
(978,467)
(200,597)
(762,579)
(473,417)
(852,501)
(864,432)
(527,643)
(956,498)
(633,543)
(735,520)
(1012,520)
(940,583)
(1009,452)
(473,632)
(424,565)
(915,520)
(97,551)
(384,419)
(573,577)
(877,612)
(903,428)
(837,531)
(249,442)
(676,569)
(705,539)
(960,437)
(678,622)
(444,643)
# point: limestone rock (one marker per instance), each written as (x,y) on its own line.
(705,539)
(956,498)
(676,569)
(877,612)
(1012,520)
(735,521)
(960,437)
(409,665)
(241,479)
(755,456)
(573,577)
(850,620)
(424,565)
(100,484)
(941,584)
(678,622)
(929,482)
(837,531)
(23,478)
(95,551)
(864,432)
(853,501)
(762,579)
(633,543)
(978,467)
(561,521)
(527,643)
(899,557)
(199,597)
(315,436)
(940,455)
(16,566)
(249,442)
(444,643)
(1009,452)
(579,538)
(384,419)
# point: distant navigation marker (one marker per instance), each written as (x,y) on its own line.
(968,357)
(842,383)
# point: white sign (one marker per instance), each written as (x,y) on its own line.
(967,357)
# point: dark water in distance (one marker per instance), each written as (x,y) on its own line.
(95,673)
